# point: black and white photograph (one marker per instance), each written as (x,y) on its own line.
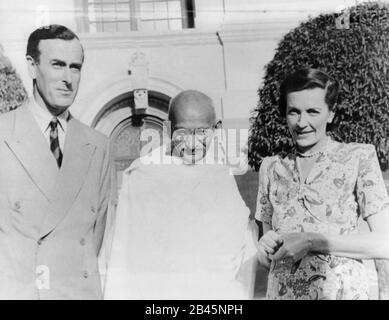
(194,150)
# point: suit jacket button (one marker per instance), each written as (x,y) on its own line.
(85,274)
(92,208)
(83,241)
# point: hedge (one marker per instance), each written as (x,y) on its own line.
(357,57)
(12,91)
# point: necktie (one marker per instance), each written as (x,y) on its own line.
(54,141)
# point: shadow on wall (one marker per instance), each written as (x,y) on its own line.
(386,179)
(248,188)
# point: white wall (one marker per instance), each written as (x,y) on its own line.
(181,66)
(19,17)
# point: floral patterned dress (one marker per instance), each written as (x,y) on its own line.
(344,183)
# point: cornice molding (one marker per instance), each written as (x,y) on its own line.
(262,31)
(230,33)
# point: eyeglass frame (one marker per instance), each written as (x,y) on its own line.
(192,132)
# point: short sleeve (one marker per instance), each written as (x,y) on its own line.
(371,191)
(264,210)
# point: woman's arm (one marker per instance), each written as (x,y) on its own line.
(269,241)
(372,245)
(268,244)
(382,267)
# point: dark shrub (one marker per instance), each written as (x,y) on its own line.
(357,57)
(12,92)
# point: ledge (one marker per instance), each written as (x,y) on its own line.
(256,31)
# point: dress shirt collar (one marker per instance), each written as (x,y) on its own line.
(44,117)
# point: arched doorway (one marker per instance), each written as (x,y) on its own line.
(124,127)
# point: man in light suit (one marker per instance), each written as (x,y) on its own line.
(56,176)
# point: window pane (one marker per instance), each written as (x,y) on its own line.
(146,11)
(109,26)
(117,15)
(96,27)
(109,13)
(147,25)
(123,11)
(95,14)
(92,14)
(175,24)
(160,10)
(124,26)
(92,27)
(174,8)
(161,25)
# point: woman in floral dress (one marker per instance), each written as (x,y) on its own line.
(310,201)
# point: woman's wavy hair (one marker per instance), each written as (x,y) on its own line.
(309,78)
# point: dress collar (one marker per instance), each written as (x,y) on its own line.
(329,144)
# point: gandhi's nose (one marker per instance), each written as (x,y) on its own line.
(191,142)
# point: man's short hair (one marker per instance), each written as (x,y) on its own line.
(54,31)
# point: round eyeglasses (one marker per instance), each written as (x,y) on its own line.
(198,133)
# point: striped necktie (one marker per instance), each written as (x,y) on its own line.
(54,141)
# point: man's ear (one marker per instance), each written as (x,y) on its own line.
(218,125)
(31,66)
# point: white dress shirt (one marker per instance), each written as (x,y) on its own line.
(43,117)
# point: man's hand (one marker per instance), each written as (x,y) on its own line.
(267,245)
(294,246)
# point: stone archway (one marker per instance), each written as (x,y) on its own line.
(118,120)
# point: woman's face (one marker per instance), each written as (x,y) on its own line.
(307,115)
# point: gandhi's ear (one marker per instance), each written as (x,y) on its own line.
(218,125)
(31,65)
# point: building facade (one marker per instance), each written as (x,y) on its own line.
(219,47)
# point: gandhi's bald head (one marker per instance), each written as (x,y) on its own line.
(193,120)
(192,109)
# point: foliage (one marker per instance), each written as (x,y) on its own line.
(357,57)
(12,91)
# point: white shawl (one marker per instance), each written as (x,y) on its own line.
(181,232)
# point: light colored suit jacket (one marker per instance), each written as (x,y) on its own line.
(51,221)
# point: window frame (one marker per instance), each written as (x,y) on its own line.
(84,23)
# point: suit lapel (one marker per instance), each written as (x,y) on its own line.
(29,146)
(77,157)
